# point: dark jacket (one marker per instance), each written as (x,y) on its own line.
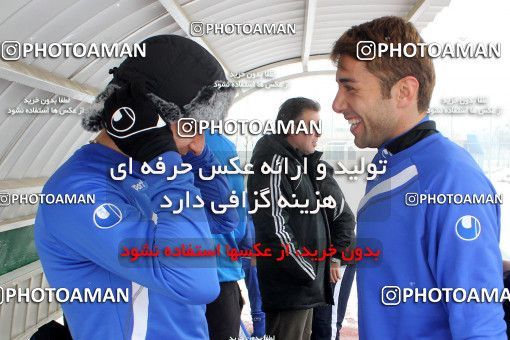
(296,282)
(340,219)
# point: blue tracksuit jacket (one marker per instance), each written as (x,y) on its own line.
(224,150)
(428,246)
(80,246)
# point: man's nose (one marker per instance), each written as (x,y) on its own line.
(339,103)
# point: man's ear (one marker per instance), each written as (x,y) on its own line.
(407,92)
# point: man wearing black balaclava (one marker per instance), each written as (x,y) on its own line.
(80,246)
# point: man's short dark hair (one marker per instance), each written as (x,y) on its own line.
(389,69)
(292,108)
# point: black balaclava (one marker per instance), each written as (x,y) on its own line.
(180,77)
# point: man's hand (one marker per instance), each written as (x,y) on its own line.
(335,273)
(133,124)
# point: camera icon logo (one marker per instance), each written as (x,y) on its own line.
(366,50)
(411,199)
(187,127)
(11,50)
(390,295)
(196,29)
(5,199)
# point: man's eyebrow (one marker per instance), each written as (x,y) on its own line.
(345,80)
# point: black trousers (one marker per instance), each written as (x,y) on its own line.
(224,314)
(321,324)
(322,316)
(290,324)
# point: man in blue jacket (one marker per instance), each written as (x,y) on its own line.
(224,313)
(426,246)
(80,246)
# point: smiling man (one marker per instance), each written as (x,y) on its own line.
(427,246)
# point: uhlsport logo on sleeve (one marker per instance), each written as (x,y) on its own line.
(107,215)
(468,228)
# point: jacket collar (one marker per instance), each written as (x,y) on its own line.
(420,131)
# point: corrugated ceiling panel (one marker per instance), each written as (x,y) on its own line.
(12,97)
(275,54)
(9,7)
(131,17)
(24,129)
(333,18)
(98,76)
(38,143)
(31,17)
(34,141)
(236,51)
(55,149)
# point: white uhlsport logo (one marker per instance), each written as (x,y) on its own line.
(468,228)
(123,119)
(107,215)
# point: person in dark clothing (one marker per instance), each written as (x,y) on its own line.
(341,225)
(53,331)
(294,285)
(224,314)
(252,283)
(343,296)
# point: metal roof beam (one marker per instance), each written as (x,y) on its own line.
(38,78)
(311,6)
(176,11)
(23,183)
(417,10)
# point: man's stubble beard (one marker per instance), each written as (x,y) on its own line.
(381,126)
